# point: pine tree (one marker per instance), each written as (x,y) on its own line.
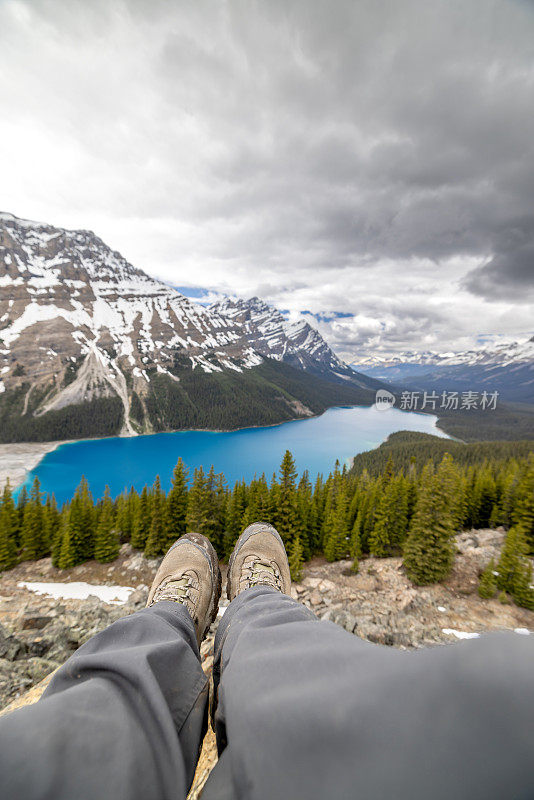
(287,516)
(514,568)
(355,547)
(328,515)
(487,587)
(33,532)
(382,535)
(51,521)
(7,550)
(157,537)
(176,506)
(142,521)
(341,531)
(513,550)
(462,505)
(250,514)
(524,504)
(429,550)
(522,589)
(411,494)
(81,524)
(125,515)
(337,537)
(303,505)
(8,530)
(483,496)
(107,538)
(296,559)
(59,537)
(208,507)
(218,500)
(401,502)
(198,502)
(354,505)
(257,502)
(262,500)
(9,508)
(318,500)
(21,504)
(235,511)
(66,553)
(274,501)
(368,514)
(503,509)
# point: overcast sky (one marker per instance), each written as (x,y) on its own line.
(370,162)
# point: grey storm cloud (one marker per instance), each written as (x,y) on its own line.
(510,273)
(365,157)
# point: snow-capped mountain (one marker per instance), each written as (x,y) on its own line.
(272,335)
(506,367)
(500,353)
(79,324)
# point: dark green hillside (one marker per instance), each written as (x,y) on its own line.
(270,393)
(101,417)
(264,395)
(510,421)
(407,448)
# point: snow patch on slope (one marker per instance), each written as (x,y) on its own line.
(78,590)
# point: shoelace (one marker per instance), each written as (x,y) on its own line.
(262,573)
(178,591)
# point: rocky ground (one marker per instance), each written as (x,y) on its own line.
(381,605)
(37,633)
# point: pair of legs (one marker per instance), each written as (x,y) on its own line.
(303,709)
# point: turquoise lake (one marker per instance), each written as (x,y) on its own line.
(315,443)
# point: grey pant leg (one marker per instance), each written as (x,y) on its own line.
(307,710)
(123,718)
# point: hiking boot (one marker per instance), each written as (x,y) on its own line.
(190,575)
(258,559)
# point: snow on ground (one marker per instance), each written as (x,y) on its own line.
(467,635)
(460,634)
(80,591)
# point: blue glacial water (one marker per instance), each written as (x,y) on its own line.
(315,443)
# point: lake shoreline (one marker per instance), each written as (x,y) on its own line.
(18,459)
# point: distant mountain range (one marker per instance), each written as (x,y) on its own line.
(91,346)
(506,368)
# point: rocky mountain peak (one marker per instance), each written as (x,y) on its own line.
(79,323)
(273,335)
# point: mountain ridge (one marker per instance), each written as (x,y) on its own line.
(80,327)
(295,342)
(507,368)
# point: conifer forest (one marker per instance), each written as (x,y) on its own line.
(397,506)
